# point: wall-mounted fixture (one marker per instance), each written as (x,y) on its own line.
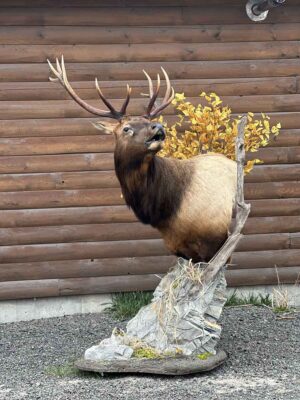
(257,10)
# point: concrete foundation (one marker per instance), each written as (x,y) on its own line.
(29,309)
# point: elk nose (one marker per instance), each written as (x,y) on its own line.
(157,127)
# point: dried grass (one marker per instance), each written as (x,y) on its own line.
(184,272)
(280,297)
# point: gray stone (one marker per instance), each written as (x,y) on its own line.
(109,349)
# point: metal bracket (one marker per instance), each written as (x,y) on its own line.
(257,10)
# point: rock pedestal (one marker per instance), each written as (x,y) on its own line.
(183,315)
(180,324)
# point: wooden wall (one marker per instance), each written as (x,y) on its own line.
(64,227)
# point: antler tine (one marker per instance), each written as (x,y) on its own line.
(58,65)
(105,101)
(150,84)
(168,90)
(61,76)
(153,97)
(126,101)
(169,96)
(164,105)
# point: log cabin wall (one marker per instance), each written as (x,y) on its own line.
(64,227)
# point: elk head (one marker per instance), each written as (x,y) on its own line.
(136,136)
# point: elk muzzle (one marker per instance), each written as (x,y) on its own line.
(156,138)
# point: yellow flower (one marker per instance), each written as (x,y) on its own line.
(179,97)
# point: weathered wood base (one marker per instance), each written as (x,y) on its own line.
(166,366)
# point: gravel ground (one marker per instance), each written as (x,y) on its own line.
(263,364)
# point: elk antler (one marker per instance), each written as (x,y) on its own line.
(61,77)
(169,96)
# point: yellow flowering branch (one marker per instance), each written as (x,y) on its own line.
(210,127)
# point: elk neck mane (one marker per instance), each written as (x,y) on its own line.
(153,187)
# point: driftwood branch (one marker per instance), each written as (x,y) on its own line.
(162,366)
(242,212)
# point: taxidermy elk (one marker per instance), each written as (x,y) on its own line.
(189,201)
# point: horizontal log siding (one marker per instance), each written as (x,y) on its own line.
(65,229)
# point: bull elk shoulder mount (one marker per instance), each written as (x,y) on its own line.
(189,201)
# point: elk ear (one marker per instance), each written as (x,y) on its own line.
(106,127)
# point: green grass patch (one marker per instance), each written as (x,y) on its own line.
(126,305)
(252,299)
(281,309)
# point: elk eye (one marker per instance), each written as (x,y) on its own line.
(128,130)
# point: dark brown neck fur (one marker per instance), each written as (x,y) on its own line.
(152,186)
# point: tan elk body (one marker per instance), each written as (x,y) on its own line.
(189,201)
